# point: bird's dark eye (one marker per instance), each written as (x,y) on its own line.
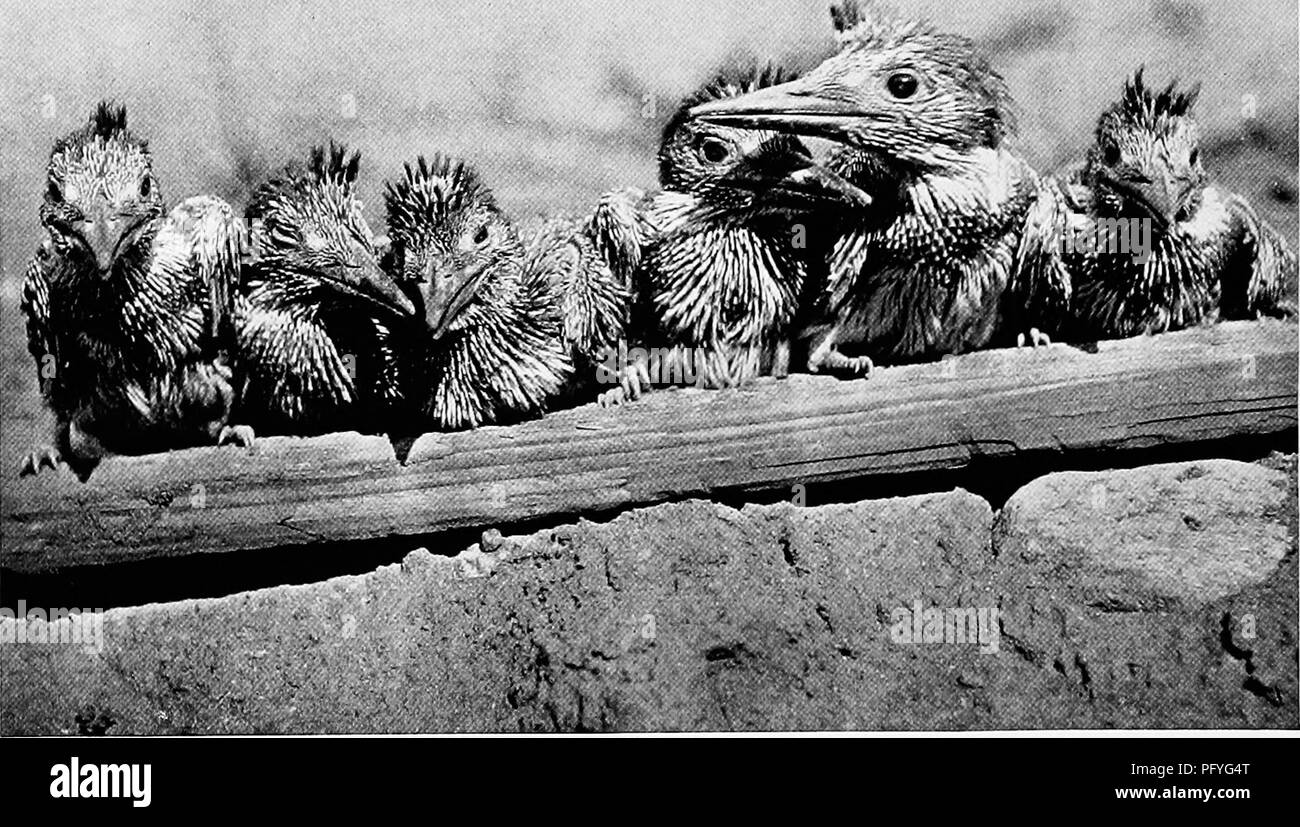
(1194,156)
(482,235)
(714,151)
(1111,155)
(55,193)
(903,85)
(146,186)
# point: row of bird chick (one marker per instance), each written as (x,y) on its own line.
(919,233)
(154,330)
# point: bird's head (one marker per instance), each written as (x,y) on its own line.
(897,89)
(311,231)
(449,240)
(739,170)
(1146,160)
(102,203)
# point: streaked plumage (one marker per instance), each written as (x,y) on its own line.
(127,306)
(1210,255)
(492,344)
(923,118)
(314,320)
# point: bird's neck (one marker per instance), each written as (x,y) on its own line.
(723,279)
(953,211)
(279,285)
(146,283)
(1138,276)
(509,360)
(1176,287)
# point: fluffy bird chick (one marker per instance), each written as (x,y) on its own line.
(720,257)
(128,306)
(922,118)
(1136,241)
(314,322)
(492,345)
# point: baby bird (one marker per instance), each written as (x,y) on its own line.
(720,257)
(923,119)
(492,345)
(313,322)
(128,306)
(1137,241)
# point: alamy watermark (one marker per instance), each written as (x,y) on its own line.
(73,627)
(954,625)
(1110,236)
(659,365)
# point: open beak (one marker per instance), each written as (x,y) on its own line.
(793,108)
(443,307)
(371,283)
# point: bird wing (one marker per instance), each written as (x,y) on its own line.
(1040,285)
(289,369)
(621,229)
(594,302)
(36,308)
(1260,269)
(218,245)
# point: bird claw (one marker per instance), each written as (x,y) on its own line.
(860,366)
(857,367)
(1036,338)
(45,457)
(637,380)
(633,381)
(241,435)
(612,398)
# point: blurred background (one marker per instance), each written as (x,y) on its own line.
(558,101)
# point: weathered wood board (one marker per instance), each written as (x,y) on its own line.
(1193,386)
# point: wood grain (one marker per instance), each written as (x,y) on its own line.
(1193,386)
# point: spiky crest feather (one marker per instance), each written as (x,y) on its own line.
(1142,106)
(430,191)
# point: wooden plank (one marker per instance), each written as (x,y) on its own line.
(1192,386)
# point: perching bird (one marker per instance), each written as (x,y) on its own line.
(492,345)
(127,306)
(923,119)
(313,324)
(1136,241)
(720,258)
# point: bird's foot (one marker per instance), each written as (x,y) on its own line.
(241,435)
(633,381)
(47,456)
(612,398)
(1035,337)
(856,367)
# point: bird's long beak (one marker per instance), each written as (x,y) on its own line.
(370,282)
(443,307)
(104,236)
(793,107)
